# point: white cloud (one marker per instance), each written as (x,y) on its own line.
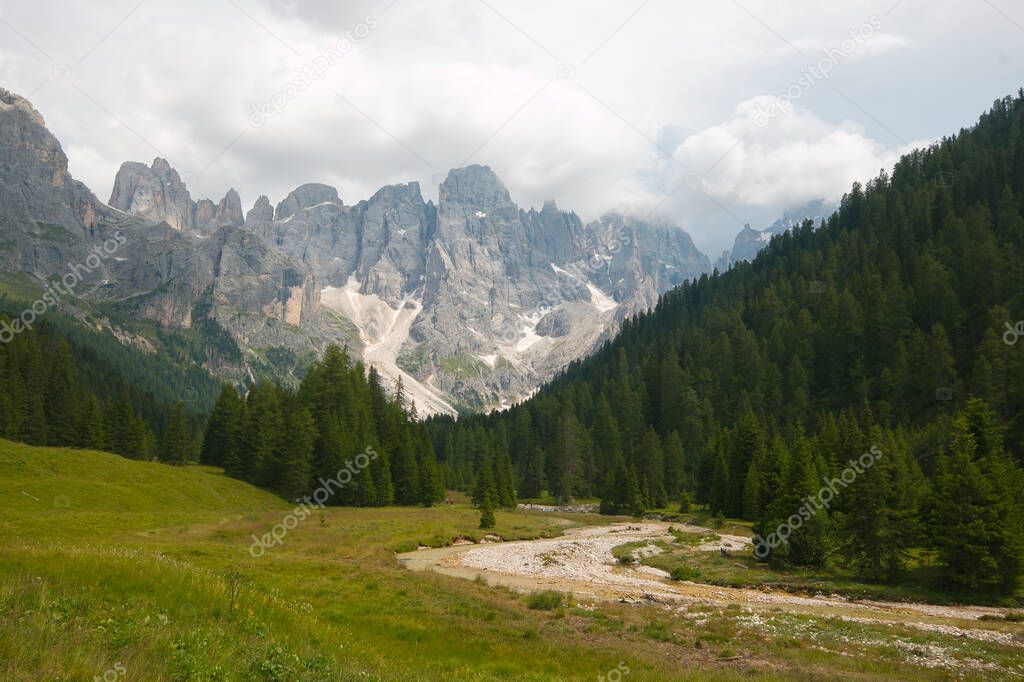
(433,83)
(795,158)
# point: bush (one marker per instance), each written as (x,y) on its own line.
(548,600)
(406,546)
(685,573)
(659,631)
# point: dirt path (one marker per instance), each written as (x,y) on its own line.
(581,562)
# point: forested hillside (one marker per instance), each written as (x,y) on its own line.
(66,385)
(340,419)
(888,328)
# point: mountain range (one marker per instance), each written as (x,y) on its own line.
(470,300)
(749,242)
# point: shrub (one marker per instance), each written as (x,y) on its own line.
(659,631)
(685,573)
(547,600)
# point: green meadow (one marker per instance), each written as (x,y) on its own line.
(119,569)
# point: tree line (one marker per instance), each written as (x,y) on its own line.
(61,392)
(291,441)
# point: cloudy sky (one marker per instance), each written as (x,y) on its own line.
(704,114)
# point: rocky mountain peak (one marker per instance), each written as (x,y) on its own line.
(550,206)
(472,301)
(258,294)
(749,242)
(229,210)
(475,184)
(261,212)
(10,101)
(409,191)
(208,217)
(158,194)
(306,196)
(162,168)
(155,193)
(37,193)
(27,143)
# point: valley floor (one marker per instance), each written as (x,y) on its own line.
(142,571)
(582,564)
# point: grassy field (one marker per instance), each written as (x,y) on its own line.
(115,569)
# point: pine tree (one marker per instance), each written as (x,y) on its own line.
(176,443)
(262,438)
(634,498)
(653,471)
(976,512)
(431,488)
(222,429)
(487,509)
(812,542)
(532,482)
(405,472)
(485,482)
(567,456)
(91,433)
(61,405)
(877,525)
(720,483)
(504,480)
(296,461)
(676,480)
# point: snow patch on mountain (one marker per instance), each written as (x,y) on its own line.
(384,330)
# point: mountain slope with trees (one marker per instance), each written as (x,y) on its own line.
(65,385)
(888,328)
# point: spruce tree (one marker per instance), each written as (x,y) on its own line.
(487,509)
(221,435)
(532,482)
(567,456)
(976,512)
(296,460)
(176,443)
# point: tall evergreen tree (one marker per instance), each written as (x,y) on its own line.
(177,443)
